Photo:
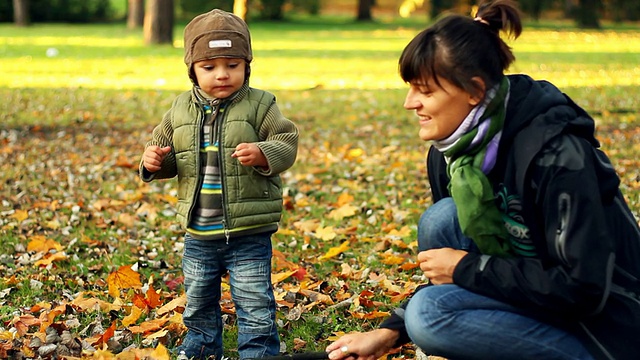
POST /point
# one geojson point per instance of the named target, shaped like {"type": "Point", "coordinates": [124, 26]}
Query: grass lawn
{"type": "Point", "coordinates": [80, 101]}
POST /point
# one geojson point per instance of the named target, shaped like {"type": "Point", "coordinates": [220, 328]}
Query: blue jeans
{"type": "Point", "coordinates": [248, 261]}
{"type": "Point", "coordinates": [455, 323]}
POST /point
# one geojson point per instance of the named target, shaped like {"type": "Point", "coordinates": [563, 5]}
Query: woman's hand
{"type": "Point", "coordinates": [438, 264]}
{"type": "Point", "coordinates": [363, 346]}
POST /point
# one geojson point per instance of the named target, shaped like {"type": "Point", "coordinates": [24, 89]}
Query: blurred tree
{"type": "Point", "coordinates": [272, 9]}
{"type": "Point", "coordinates": [587, 14]}
{"type": "Point", "coordinates": [240, 8]}
{"type": "Point", "coordinates": [438, 6]}
{"type": "Point", "coordinates": [158, 22]}
{"type": "Point", "coordinates": [135, 13]}
{"type": "Point", "coordinates": [21, 12]}
{"type": "Point", "coordinates": [364, 10]}
{"type": "Point", "coordinates": [534, 8]}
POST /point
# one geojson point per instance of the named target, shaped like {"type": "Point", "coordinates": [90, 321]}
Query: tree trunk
{"type": "Point", "coordinates": [135, 14]}
{"type": "Point", "coordinates": [240, 8]}
{"type": "Point", "coordinates": [21, 12]}
{"type": "Point", "coordinates": [158, 22]}
{"type": "Point", "coordinates": [587, 16]}
{"type": "Point", "coordinates": [364, 10]}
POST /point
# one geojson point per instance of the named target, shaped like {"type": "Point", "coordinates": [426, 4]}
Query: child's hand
{"type": "Point", "coordinates": [153, 156]}
{"type": "Point", "coordinates": [249, 154]}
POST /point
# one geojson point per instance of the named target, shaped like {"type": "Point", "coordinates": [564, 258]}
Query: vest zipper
{"type": "Point", "coordinates": [198, 169]}
{"type": "Point", "coordinates": [221, 161]}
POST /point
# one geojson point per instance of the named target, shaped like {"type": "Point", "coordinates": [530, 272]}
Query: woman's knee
{"type": "Point", "coordinates": [437, 224]}
{"type": "Point", "coordinates": [422, 319]}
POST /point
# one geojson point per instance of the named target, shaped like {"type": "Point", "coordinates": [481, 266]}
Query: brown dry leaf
{"type": "Point", "coordinates": [315, 296]}
{"type": "Point", "coordinates": [22, 323]}
{"type": "Point", "coordinates": [370, 315]}
{"type": "Point", "coordinates": [172, 305]}
{"type": "Point", "coordinates": [149, 326]}
{"type": "Point", "coordinates": [127, 220]}
{"type": "Point", "coordinates": [123, 161]}
{"type": "Point", "coordinates": [157, 335]}
{"type": "Point", "coordinates": [148, 210]}
{"type": "Point", "coordinates": [299, 344]}
{"type": "Point", "coordinates": [123, 278]}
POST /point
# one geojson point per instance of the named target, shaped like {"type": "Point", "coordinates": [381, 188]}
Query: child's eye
{"type": "Point", "coordinates": [208, 67]}
{"type": "Point", "coordinates": [233, 65]}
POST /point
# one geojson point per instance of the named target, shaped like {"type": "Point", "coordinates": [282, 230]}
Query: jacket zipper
{"type": "Point", "coordinates": [564, 211]}
{"type": "Point", "coordinates": [221, 161]}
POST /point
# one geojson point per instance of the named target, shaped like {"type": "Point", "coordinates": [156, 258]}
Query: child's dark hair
{"type": "Point", "coordinates": [458, 48]}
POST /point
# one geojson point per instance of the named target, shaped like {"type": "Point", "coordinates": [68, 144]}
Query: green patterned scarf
{"type": "Point", "coordinates": [471, 157]}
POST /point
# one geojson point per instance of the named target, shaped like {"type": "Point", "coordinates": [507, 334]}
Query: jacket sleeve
{"type": "Point", "coordinates": [437, 173]}
{"type": "Point", "coordinates": [567, 223]}
{"type": "Point", "coordinates": [162, 136]}
{"type": "Point", "coordinates": [279, 142]}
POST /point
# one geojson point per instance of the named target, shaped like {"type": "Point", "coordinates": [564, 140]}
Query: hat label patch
{"type": "Point", "coordinates": [215, 44]}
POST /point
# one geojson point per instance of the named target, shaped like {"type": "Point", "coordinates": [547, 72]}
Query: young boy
{"type": "Point", "coordinates": [227, 143]}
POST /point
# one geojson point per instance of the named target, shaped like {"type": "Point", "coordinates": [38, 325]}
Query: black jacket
{"type": "Point", "coordinates": [579, 264]}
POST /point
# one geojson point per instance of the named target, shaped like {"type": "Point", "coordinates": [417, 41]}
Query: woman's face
{"type": "Point", "coordinates": [440, 109]}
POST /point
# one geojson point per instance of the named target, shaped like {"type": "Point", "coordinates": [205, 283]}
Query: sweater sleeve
{"type": "Point", "coordinates": [162, 136]}
{"type": "Point", "coordinates": [279, 142]}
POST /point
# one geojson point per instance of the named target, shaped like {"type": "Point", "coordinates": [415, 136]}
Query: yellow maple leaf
{"type": "Point", "coordinates": [133, 316]}
{"type": "Point", "coordinates": [391, 259]}
{"type": "Point", "coordinates": [160, 353]}
{"type": "Point", "coordinates": [20, 215]}
{"type": "Point", "coordinates": [342, 212]}
{"type": "Point", "coordinates": [39, 243]}
{"type": "Point", "coordinates": [51, 258]}
{"type": "Point", "coordinates": [403, 232]}
{"type": "Point", "coordinates": [335, 251]}
{"type": "Point", "coordinates": [307, 225]}
{"type": "Point", "coordinates": [123, 278]}
{"type": "Point", "coordinates": [344, 198]}
{"type": "Point", "coordinates": [325, 233]}
{"type": "Point", "coordinates": [276, 278]}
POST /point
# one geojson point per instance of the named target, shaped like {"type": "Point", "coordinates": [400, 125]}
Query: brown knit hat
{"type": "Point", "coordinates": [216, 34]}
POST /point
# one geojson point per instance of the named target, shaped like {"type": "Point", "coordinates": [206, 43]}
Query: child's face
{"type": "Point", "coordinates": [220, 77]}
{"type": "Point", "coordinates": [440, 109]}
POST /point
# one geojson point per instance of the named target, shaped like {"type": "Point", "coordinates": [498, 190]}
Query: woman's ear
{"type": "Point", "coordinates": [478, 95]}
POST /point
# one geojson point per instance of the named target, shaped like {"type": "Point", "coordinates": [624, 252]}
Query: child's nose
{"type": "Point", "coordinates": [222, 74]}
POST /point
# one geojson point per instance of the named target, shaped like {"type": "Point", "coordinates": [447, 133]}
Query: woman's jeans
{"type": "Point", "coordinates": [455, 323]}
{"type": "Point", "coordinates": [248, 261]}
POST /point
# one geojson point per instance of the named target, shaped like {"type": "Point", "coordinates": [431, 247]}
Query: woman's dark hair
{"type": "Point", "coordinates": [458, 48]}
